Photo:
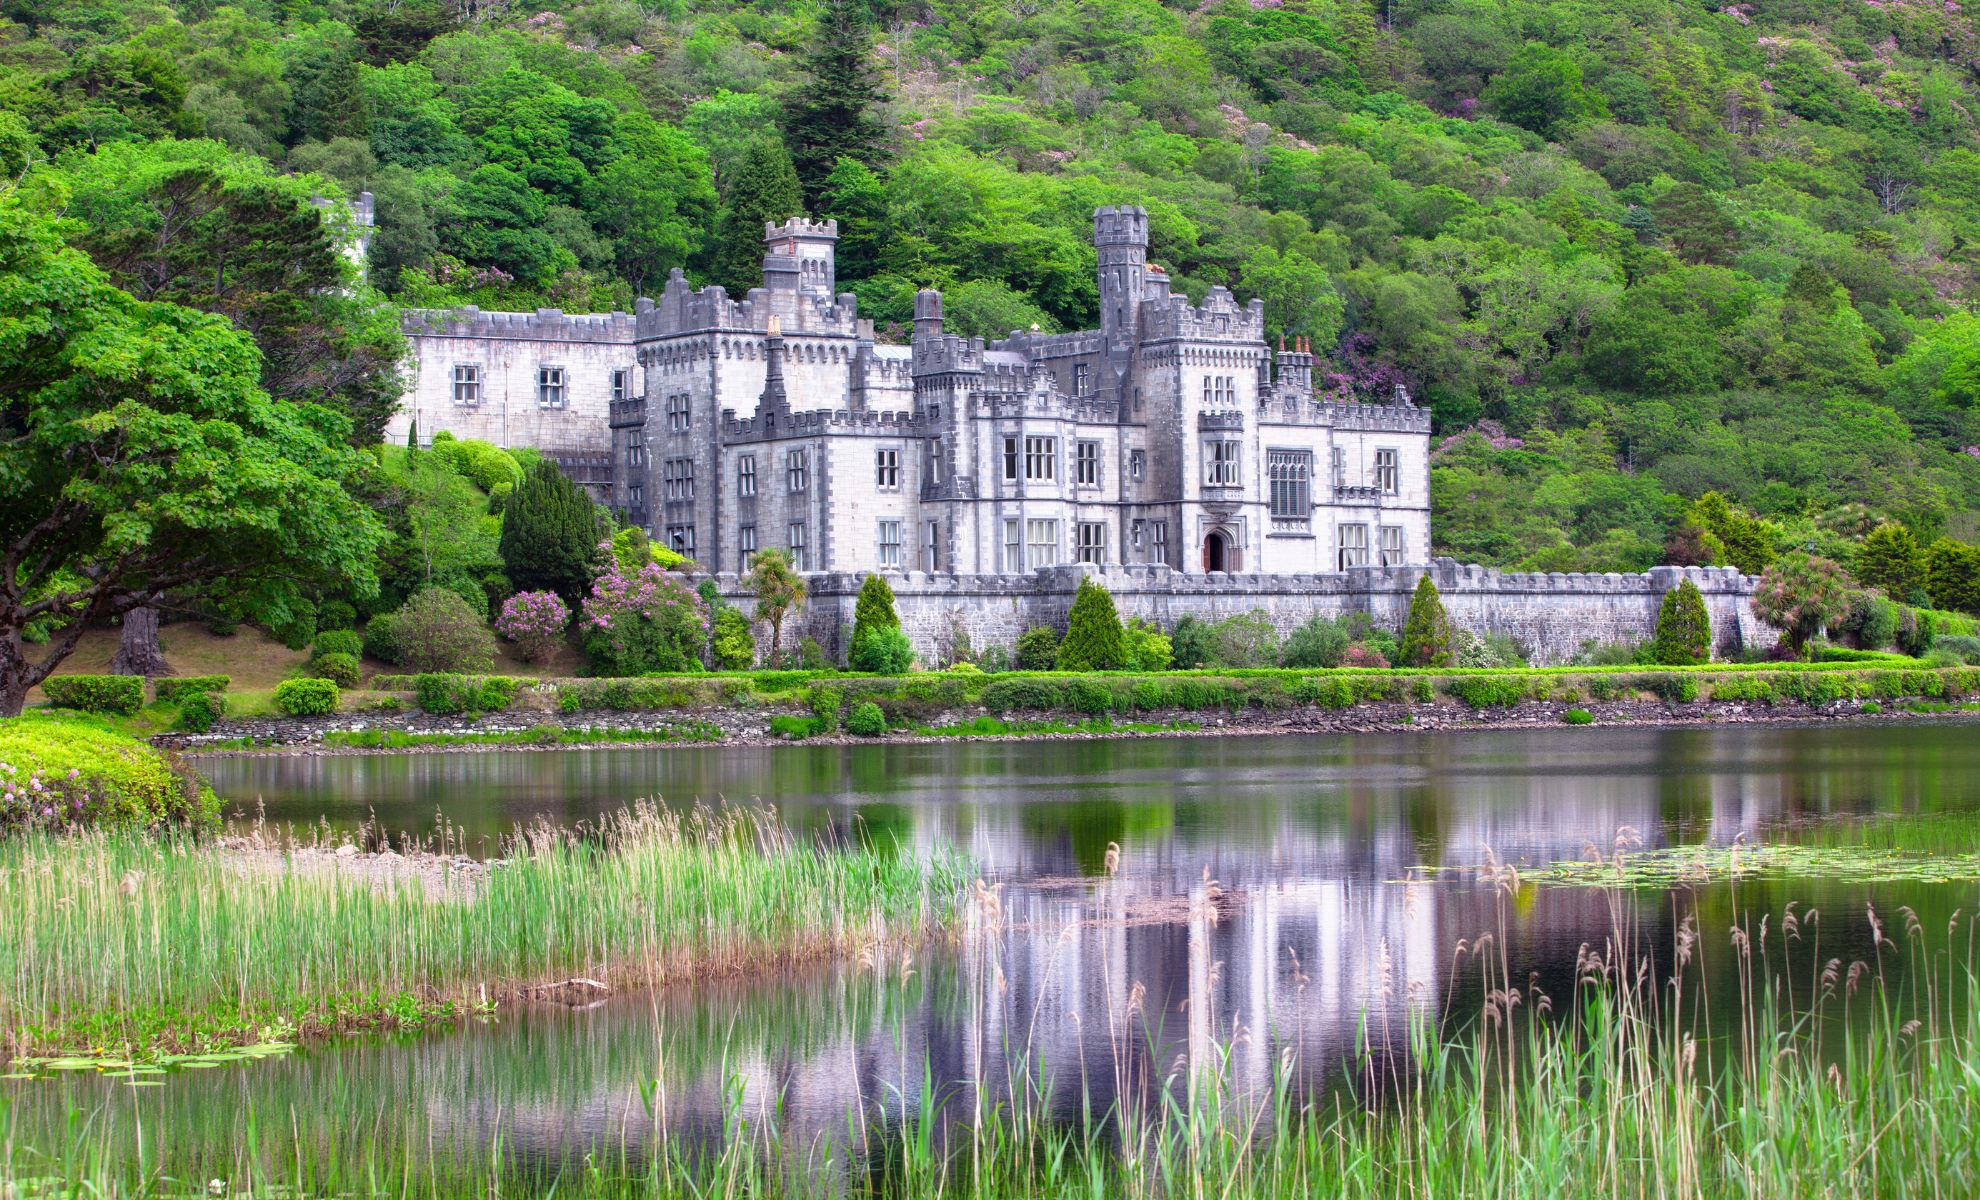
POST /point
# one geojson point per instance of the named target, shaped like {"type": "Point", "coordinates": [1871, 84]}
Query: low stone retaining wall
{"type": "Point", "coordinates": [1550, 615]}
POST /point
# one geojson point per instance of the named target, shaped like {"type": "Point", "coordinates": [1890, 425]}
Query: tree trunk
{"type": "Point", "coordinates": [776, 643]}
{"type": "Point", "coordinates": [138, 651]}
{"type": "Point", "coordinates": [13, 675]}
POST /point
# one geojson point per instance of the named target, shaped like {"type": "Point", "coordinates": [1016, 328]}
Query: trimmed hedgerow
{"type": "Point", "coordinates": [445, 694]}
{"type": "Point", "coordinates": [306, 697]}
{"type": "Point", "coordinates": [64, 772]}
{"type": "Point", "coordinates": [117, 695]}
{"type": "Point", "coordinates": [170, 688]}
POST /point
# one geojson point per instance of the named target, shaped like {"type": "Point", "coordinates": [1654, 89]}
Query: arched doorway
{"type": "Point", "coordinates": [1217, 552]}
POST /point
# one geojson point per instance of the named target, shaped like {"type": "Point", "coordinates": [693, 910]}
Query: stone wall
{"type": "Point", "coordinates": [1550, 615]}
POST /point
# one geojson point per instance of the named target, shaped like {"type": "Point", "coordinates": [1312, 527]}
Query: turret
{"type": "Point", "coordinates": [927, 314]}
{"type": "Point", "coordinates": [1296, 366]}
{"type": "Point", "coordinates": [775, 404]}
{"type": "Point", "coordinates": [1120, 237]}
{"type": "Point", "coordinates": [800, 255]}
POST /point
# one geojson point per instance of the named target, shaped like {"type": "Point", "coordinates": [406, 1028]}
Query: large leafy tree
{"type": "Point", "coordinates": [196, 224]}
{"type": "Point", "coordinates": [833, 113]}
{"type": "Point", "coordinates": [140, 457]}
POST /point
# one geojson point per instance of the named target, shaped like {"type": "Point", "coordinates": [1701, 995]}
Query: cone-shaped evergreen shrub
{"type": "Point", "coordinates": [1093, 632]}
{"type": "Point", "coordinates": [875, 609]}
{"type": "Point", "coordinates": [1428, 639]}
{"type": "Point", "coordinates": [1684, 631]}
{"type": "Point", "coordinates": [550, 534]}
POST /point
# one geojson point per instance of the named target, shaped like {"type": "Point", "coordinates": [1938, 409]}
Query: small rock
{"type": "Point", "coordinates": [346, 850]}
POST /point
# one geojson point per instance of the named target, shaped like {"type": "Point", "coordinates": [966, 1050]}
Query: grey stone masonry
{"type": "Point", "coordinates": [1549, 615]}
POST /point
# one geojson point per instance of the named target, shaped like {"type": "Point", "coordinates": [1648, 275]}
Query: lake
{"type": "Point", "coordinates": [1247, 896]}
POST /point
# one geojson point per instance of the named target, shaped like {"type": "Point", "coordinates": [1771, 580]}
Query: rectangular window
{"type": "Point", "coordinates": [931, 548]}
{"type": "Point", "coordinates": [887, 469]}
{"type": "Point", "coordinates": [550, 392]}
{"type": "Point", "coordinates": [1041, 459]}
{"type": "Point", "coordinates": [1041, 543]}
{"type": "Point", "coordinates": [621, 384]}
{"type": "Point", "coordinates": [745, 546]}
{"type": "Point", "coordinates": [1388, 475]}
{"type": "Point", "coordinates": [635, 447]}
{"type": "Point", "coordinates": [1082, 379]}
{"type": "Point", "coordinates": [467, 384]}
{"type": "Point", "coordinates": [1010, 460]}
{"type": "Point", "coordinates": [746, 475]}
{"type": "Point", "coordinates": [796, 542]}
{"type": "Point", "coordinates": [1013, 546]}
{"type": "Point", "coordinates": [890, 543]}
{"type": "Point", "coordinates": [1086, 464]}
{"type": "Point", "coordinates": [1392, 545]}
{"type": "Point", "coordinates": [1137, 464]}
{"type": "Point", "coordinates": [635, 496]}
{"type": "Point", "coordinates": [679, 476]}
{"type": "Point", "coordinates": [1220, 464]}
{"type": "Point", "coordinates": [1158, 541]}
{"type": "Point", "coordinates": [932, 461]}
{"type": "Point", "coordinates": [1291, 475]}
{"type": "Point", "coordinates": [677, 413]}
{"type": "Point", "coordinates": [1354, 546]}
{"type": "Point", "coordinates": [1092, 541]}
{"type": "Point", "coordinates": [797, 470]}
{"type": "Point", "coordinates": [680, 539]}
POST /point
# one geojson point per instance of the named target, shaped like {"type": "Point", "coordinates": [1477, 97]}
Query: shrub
{"type": "Point", "coordinates": [446, 694]}
{"type": "Point", "coordinates": [121, 695]}
{"type": "Point", "coordinates": [534, 621]}
{"type": "Point", "coordinates": [874, 610]}
{"type": "Point", "coordinates": [1089, 696]}
{"type": "Point", "coordinates": [1428, 639]}
{"type": "Point", "coordinates": [825, 705]}
{"type": "Point", "coordinates": [1578, 716]}
{"type": "Point", "coordinates": [866, 720]}
{"type": "Point", "coordinates": [1191, 644]}
{"type": "Point", "coordinates": [1891, 560]}
{"type": "Point", "coordinates": [1326, 691]}
{"type": "Point", "coordinates": [336, 614]}
{"type": "Point", "coordinates": [1684, 630]}
{"type": "Point", "coordinates": [732, 646]}
{"type": "Point", "coordinates": [199, 710]}
{"type": "Point", "coordinates": [381, 638]}
{"type": "Point", "coordinates": [1363, 655]}
{"type": "Point", "coordinates": [306, 697]}
{"type": "Point", "coordinates": [1006, 695]}
{"type": "Point", "coordinates": [171, 688]}
{"type": "Point", "coordinates": [812, 656]}
{"type": "Point", "coordinates": [336, 641]}
{"type": "Point", "coordinates": [1481, 691]}
{"type": "Point", "coordinates": [1872, 708]}
{"type": "Point", "coordinates": [643, 621]}
{"type": "Point", "coordinates": [795, 728]}
{"type": "Point", "coordinates": [61, 772]}
{"type": "Point", "coordinates": [1247, 640]}
{"type": "Point", "coordinates": [1490, 650]}
{"type": "Point", "coordinates": [550, 533]}
{"type": "Point", "coordinates": [883, 651]}
{"type": "Point", "coordinates": [437, 631]}
{"type": "Point", "coordinates": [1671, 689]}
{"type": "Point", "coordinates": [1320, 642]}
{"type": "Point", "coordinates": [1145, 647]}
{"type": "Point", "coordinates": [339, 668]}
{"type": "Point", "coordinates": [1610, 654]}
{"type": "Point", "coordinates": [1037, 649]}
{"type": "Point", "coordinates": [1093, 632]}
{"type": "Point", "coordinates": [1869, 621]}
{"type": "Point", "coordinates": [1963, 648]}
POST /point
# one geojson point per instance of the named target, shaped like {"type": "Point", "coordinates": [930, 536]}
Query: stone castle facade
{"type": "Point", "coordinates": [1171, 435]}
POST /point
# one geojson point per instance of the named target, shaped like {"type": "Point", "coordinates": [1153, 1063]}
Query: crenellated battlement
{"type": "Point", "coordinates": [1219, 318]}
{"type": "Point", "coordinates": [800, 227]}
{"type": "Point", "coordinates": [811, 422]}
{"type": "Point", "coordinates": [543, 325]}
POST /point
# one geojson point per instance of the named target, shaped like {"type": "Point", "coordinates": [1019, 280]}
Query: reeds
{"type": "Point", "coordinates": [121, 941]}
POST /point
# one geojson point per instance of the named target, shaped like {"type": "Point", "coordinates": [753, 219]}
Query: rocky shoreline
{"type": "Point", "coordinates": [304, 736]}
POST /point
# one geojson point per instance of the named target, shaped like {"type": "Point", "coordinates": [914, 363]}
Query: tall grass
{"type": "Point", "coordinates": [123, 941]}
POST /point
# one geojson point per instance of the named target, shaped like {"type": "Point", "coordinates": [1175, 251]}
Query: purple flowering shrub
{"type": "Point", "coordinates": [534, 621]}
{"type": "Point", "coordinates": [643, 620]}
{"type": "Point", "coordinates": [63, 774]}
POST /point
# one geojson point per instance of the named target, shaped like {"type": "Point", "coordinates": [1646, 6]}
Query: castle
{"type": "Point", "coordinates": [1171, 434]}
{"type": "Point", "coordinates": [1171, 451]}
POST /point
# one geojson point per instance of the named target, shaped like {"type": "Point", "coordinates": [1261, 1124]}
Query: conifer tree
{"type": "Point", "coordinates": [831, 115]}
{"type": "Point", "coordinates": [550, 534]}
{"type": "Point", "coordinates": [875, 608]}
{"type": "Point", "coordinates": [1093, 632]}
{"type": "Point", "coordinates": [1428, 639]}
{"type": "Point", "coordinates": [1891, 559]}
{"type": "Point", "coordinates": [1684, 630]}
{"type": "Point", "coordinates": [765, 188]}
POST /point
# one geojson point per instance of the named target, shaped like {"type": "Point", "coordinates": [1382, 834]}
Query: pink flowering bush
{"type": "Point", "coordinates": [59, 773]}
{"type": "Point", "coordinates": [642, 620]}
{"type": "Point", "coordinates": [1363, 655]}
{"type": "Point", "coordinates": [534, 621]}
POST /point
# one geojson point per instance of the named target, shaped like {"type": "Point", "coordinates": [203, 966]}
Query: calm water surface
{"type": "Point", "coordinates": [1271, 895]}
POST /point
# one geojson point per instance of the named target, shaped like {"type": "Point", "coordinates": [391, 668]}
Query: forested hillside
{"type": "Point", "coordinates": [1633, 254]}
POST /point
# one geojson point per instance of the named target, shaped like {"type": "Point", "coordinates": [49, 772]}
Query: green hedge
{"type": "Point", "coordinates": [120, 695]}
{"type": "Point", "coordinates": [65, 772]}
{"type": "Point", "coordinates": [306, 697]}
{"type": "Point", "coordinates": [176, 688]}
{"type": "Point", "coordinates": [450, 694]}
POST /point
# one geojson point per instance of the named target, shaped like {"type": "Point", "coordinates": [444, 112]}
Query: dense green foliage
{"type": "Point", "coordinates": [1428, 639]}
{"type": "Point", "coordinates": [550, 534]}
{"type": "Point", "coordinates": [1037, 649]}
{"type": "Point", "coordinates": [778, 590]}
{"type": "Point", "coordinates": [1684, 630]}
{"type": "Point", "coordinates": [436, 630]}
{"type": "Point", "coordinates": [1093, 632]}
{"type": "Point", "coordinates": [62, 772]}
{"type": "Point", "coordinates": [173, 689]}
{"type": "Point", "coordinates": [118, 695]}
{"type": "Point", "coordinates": [866, 720]}
{"type": "Point", "coordinates": [877, 641]}
{"type": "Point", "coordinates": [306, 697]}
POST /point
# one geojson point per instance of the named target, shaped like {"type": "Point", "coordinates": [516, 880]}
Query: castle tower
{"type": "Point", "coordinates": [800, 255]}
{"type": "Point", "coordinates": [927, 314]}
{"type": "Point", "coordinates": [1296, 367]}
{"type": "Point", "coordinates": [1120, 235]}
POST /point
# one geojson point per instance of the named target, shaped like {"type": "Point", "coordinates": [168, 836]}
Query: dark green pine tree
{"type": "Point", "coordinates": [1428, 639]}
{"type": "Point", "coordinates": [1093, 632]}
{"type": "Point", "coordinates": [831, 116]}
{"type": "Point", "coordinates": [550, 534]}
{"type": "Point", "coordinates": [1684, 629]}
{"type": "Point", "coordinates": [765, 188]}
